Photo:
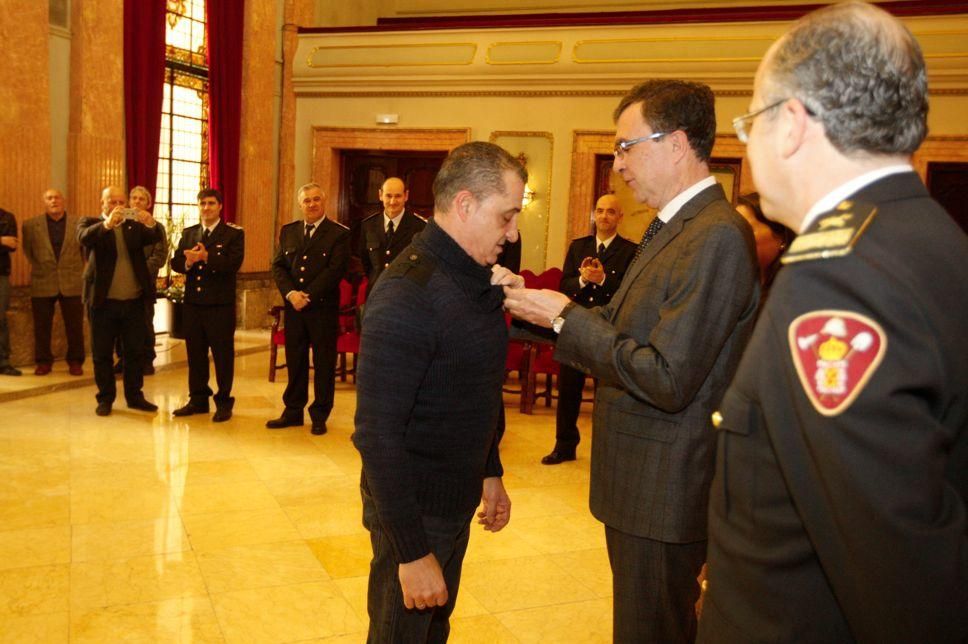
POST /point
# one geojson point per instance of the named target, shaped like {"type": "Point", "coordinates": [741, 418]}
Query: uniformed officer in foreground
{"type": "Point", "coordinates": [209, 254]}
{"type": "Point", "coordinates": [311, 261]}
{"type": "Point", "coordinates": [594, 268]}
{"type": "Point", "coordinates": [838, 508]}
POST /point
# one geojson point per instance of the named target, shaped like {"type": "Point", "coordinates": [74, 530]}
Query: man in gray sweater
{"type": "Point", "coordinates": [429, 396]}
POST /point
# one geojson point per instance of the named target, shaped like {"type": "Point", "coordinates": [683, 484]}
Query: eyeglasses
{"type": "Point", "coordinates": [621, 147]}
{"type": "Point", "coordinates": [740, 122]}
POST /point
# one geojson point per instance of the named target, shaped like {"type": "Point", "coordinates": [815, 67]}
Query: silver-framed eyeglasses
{"type": "Point", "coordinates": [621, 147]}
{"type": "Point", "coordinates": [740, 122]}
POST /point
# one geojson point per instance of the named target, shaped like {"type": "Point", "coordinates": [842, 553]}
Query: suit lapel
{"type": "Point", "coordinates": [663, 238]}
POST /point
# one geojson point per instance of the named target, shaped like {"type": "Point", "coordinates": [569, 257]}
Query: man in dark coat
{"type": "Point", "coordinates": [838, 510]}
{"type": "Point", "coordinates": [311, 261]}
{"type": "Point", "coordinates": [116, 284]}
{"type": "Point", "coordinates": [210, 255]}
{"type": "Point", "coordinates": [663, 350]}
{"type": "Point", "coordinates": [384, 234]}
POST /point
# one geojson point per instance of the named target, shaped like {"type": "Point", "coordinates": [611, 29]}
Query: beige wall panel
{"type": "Point", "coordinates": [24, 116]}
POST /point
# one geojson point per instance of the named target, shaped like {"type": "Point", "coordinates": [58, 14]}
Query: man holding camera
{"type": "Point", "coordinates": [116, 283]}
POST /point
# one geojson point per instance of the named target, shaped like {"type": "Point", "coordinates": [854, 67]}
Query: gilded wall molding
{"type": "Point", "coordinates": [497, 135]}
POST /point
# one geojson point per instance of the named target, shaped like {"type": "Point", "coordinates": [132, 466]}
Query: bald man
{"type": "Point", "coordinates": [117, 284]}
{"type": "Point", "coordinates": [593, 270]}
{"type": "Point", "coordinates": [384, 235]}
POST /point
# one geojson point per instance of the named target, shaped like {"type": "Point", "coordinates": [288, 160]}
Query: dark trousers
{"type": "Point", "coordinates": [210, 328]}
{"type": "Point", "coordinates": [390, 621]}
{"type": "Point", "coordinates": [315, 329]}
{"type": "Point", "coordinates": [149, 350]}
{"type": "Point", "coordinates": [571, 387]}
{"type": "Point", "coordinates": [112, 320]}
{"type": "Point", "coordinates": [72, 310]}
{"type": "Point", "coordinates": [654, 588]}
{"type": "Point", "coordinates": [4, 329]}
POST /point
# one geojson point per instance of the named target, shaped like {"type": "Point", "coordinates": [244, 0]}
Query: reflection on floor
{"type": "Point", "coordinates": [138, 527]}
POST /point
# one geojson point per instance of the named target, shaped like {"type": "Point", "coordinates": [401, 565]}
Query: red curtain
{"type": "Point", "coordinates": [144, 89]}
{"type": "Point", "coordinates": [224, 24]}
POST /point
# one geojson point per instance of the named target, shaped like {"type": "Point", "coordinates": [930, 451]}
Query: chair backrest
{"type": "Point", "coordinates": [345, 294]}
{"type": "Point", "coordinates": [530, 279]}
{"type": "Point", "coordinates": [550, 279]}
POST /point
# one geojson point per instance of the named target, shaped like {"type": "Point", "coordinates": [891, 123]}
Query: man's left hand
{"type": "Point", "coordinates": [501, 276]}
{"type": "Point", "coordinates": [144, 218]}
{"type": "Point", "coordinates": [536, 306]}
{"type": "Point", "coordinates": [497, 505]}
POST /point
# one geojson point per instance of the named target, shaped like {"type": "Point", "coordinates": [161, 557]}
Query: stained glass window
{"type": "Point", "coordinates": [183, 152]}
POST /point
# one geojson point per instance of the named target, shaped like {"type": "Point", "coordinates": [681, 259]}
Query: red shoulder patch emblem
{"type": "Point", "coordinates": [835, 354]}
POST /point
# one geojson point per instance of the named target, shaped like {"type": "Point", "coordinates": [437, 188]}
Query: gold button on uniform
{"type": "Point", "coordinates": [717, 419]}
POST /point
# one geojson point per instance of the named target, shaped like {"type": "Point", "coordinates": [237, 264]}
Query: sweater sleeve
{"type": "Point", "coordinates": [396, 349]}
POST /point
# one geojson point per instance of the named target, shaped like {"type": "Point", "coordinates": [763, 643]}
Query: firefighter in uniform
{"type": "Point", "coordinates": [594, 268]}
{"type": "Point", "coordinates": [209, 254]}
{"type": "Point", "coordinates": [384, 234]}
{"type": "Point", "coordinates": [311, 260]}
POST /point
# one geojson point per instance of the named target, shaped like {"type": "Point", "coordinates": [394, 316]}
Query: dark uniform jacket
{"type": "Point", "coordinates": [373, 251]}
{"type": "Point", "coordinates": [315, 268]}
{"type": "Point", "coordinates": [211, 282]}
{"type": "Point", "coordinates": [103, 255]}
{"type": "Point", "coordinates": [616, 259]}
{"type": "Point", "coordinates": [838, 509]}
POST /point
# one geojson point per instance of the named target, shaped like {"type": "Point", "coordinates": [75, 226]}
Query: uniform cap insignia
{"type": "Point", "coordinates": [835, 354]}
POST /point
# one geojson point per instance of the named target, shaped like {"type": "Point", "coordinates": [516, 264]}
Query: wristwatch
{"type": "Point", "coordinates": [558, 322]}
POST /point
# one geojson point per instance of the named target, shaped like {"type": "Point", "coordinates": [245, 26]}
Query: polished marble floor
{"type": "Point", "coordinates": [142, 528]}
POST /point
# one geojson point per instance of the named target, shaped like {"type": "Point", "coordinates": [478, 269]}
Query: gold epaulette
{"type": "Point", "coordinates": [233, 225]}
{"type": "Point", "coordinates": [832, 234]}
{"type": "Point", "coordinates": [340, 224]}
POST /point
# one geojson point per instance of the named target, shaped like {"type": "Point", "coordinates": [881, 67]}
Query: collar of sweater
{"type": "Point", "coordinates": [471, 277]}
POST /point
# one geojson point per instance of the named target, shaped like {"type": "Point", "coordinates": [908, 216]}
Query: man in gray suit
{"type": "Point", "coordinates": [664, 350]}
{"type": "Point", "coordinates": [55, 277]}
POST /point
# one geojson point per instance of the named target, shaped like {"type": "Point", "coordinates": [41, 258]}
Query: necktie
{"type": "Point", "coordinates": [389, 234]}
{"type": "Point", "coordinates": [650, 232]}
{"type": "Point", "coordinates": [309, 233]}
{"type": "Point", "coordinates": [205, 235]}
{"type": "Point", "coordinates": [601, 250]}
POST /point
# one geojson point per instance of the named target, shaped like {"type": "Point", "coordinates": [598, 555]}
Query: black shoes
{"type": "Point", "coordinates": [142, 405]}
{"type": "Point", "coordinates": [284, 421]}
{"type": "Point", "coordinates": [103, 409]}
{"type": "Point", "coordinates": [221, 415]}
{"type": "Point", "coordinates": [319, 428]}
{"type": "Point", "coordinates": [10, 371]}
{"type": "Point", "coordinates": [556, 457]}
{"type": "Point", "coordinates": [190, 409]}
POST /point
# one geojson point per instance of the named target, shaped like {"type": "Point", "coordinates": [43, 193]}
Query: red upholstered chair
{"type": "Point", "coordinates": [277, 338]}
{"type": "Point", "coordinates": [348, 340]}
{"type": "Point", "coordinates": [543, 363]}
